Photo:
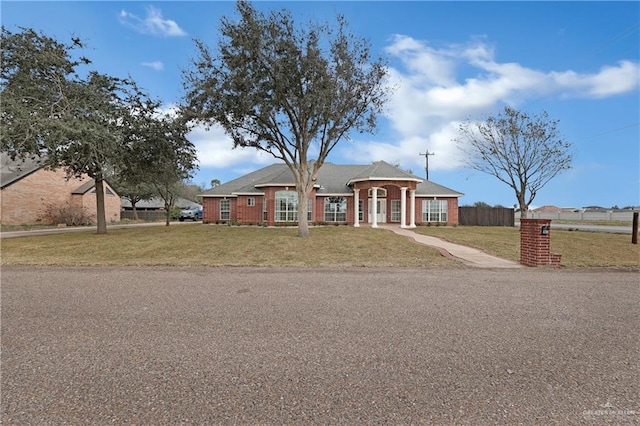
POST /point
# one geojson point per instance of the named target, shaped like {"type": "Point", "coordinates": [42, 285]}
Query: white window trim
{"type": "Point", "coordinates": [227, 210]}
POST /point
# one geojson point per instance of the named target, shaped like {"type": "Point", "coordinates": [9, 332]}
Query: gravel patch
{"type": "Point", "coordinates": [286, 346]}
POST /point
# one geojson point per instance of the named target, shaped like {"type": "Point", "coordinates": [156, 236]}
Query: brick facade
{"type": "Point", "coordinates": [25, 200]}
{"type": "Point", "coordinates": [244, 213]}
{"type": "Point", "coordinates": [535, 243]}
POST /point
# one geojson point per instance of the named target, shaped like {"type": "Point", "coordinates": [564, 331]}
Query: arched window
{"type": "Point", "coordinates": [382, 193]}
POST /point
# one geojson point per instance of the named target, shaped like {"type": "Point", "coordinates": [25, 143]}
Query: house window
{"type": "Point", "coordinates": [335, 209]}
{"type": "Point", "coordinates": [286, 206]}
{"type": "Point", "coordinates": [434, 210]}
{"type": "Point", "coordinates": [225, 210]}
{"type": "Point", "coordinates": [309, 209]}
{"type": "Point", "coordinates": [361, 210]}
{"type": "Point", "coordinates": [264, 209]}
{"type": "Point", "coordinates": [251, 202]}
{"type": "Point", "coordinates": [382, 193]}
{"type": "Point", "coordinates": [395, 211]}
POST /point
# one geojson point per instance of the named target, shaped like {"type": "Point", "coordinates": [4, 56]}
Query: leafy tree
{"type": "Point", "coordinates": [521, 150]}
{"type": "Point", "coordinates": [134, 192]}
{"type": "Point", "coordinates": [165, 157]}
{"type": "Point", "coordinates": [48, 110]}
{"type": "Point", "coordinates": [293, 93]}
{"type": "Point", "coordinates": [191, 191]}
{"type": "Point", "coordinates": [159, 158]}
{"type": "Point", "coordinates": [215, 182]}
{"type": "Point", "coordinates": [481, 204]}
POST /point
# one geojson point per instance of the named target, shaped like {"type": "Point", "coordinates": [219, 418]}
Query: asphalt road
{"type": "Point", "coordinates": [162, 346]}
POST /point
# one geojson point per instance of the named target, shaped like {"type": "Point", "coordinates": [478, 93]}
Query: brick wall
{"type": "Point", "coordinates": [25, 201]}
{"type": "Point", "coordinates": [452, 209]}
{"type": "Point", "coordinates": [112, 204]}
{"type": "Point", "coordinates": [246, 213]}
{"type": "Point", "coordinates": [535, 246]}
{"type": "Point", "coordinates": [241, 211]}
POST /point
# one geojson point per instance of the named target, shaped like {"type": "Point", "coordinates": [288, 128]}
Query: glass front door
{"type": "Point", "coordinates": [382, 210]}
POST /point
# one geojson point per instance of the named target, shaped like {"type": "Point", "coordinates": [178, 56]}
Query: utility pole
{"type": "Point", "coordinates": [426, 158]}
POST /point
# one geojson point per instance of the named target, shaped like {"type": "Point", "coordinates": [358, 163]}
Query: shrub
{"type": "Point", "coordinates": [70, 215]}
{"type": "Point", "coordinates": [175, 212]}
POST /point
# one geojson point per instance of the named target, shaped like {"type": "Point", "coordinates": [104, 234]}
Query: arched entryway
{"type": "Point", "coordinates": [381, 208]}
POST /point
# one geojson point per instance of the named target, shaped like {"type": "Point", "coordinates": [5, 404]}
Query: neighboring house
{"type": "Point", "coordinates": [152, 209]}
{"type": "Point", "coordinates": [345, 194]}
{"type": "Point", "coordinates": [27, 189]}
{"type": "Point", "coordinates": [156, 203]}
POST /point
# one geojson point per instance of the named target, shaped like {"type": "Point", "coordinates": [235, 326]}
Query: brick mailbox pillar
{"type": "Point", "coordinates": [535, 243]}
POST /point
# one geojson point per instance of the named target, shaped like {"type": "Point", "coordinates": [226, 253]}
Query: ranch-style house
{"type": "Point", "coordinates": [343, 194]}
{"type": "Point", "coordinates": [28, 190]}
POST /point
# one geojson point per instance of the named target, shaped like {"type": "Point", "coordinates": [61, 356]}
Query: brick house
{"type": "Point", "coordinates": [345, 194]}
{"type": "Point", "coordinates": [27, 189]}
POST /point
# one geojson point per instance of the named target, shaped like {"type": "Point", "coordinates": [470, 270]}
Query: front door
{"type": "Point", "coordinates": [382, 210]}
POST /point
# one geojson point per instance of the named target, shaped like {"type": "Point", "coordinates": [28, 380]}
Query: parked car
{"type": "Point", "coordinates": [193, 213]}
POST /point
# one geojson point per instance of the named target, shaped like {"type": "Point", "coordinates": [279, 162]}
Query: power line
{"type": "Point", "coordinates": [612, 131]}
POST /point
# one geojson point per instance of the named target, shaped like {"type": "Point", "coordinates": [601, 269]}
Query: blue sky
{"type": "Point", "coordinates": [451, 61]}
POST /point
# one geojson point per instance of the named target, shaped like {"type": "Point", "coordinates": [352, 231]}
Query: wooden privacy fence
{"type": "Point", "coordinates": [146, 215]}
{"type": "Point", "coordinates": [486, 216]}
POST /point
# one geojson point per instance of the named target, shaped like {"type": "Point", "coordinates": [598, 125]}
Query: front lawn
{"type": "Point", "coordinates": [220, 245]}
{"type": "Point", "coordinates": [578, 248]}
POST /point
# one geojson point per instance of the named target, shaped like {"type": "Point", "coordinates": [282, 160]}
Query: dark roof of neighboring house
{"type": "Point", "coordinates": [85, 187]}
{"type": "Point", "coordinates": [158, 203]}
{"type": "Point", "coordinates": [333, 179]}
{"type": "Point", "coordinates": [14, 170]}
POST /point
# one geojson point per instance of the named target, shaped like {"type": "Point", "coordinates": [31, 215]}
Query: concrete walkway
{"type": "Point", "coordinates": [468, 255]}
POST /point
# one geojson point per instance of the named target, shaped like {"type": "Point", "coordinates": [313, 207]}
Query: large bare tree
{"type": "Point", "coordinates": [524, 151]}
{"type": "Point", "coordinates": [292, 92]}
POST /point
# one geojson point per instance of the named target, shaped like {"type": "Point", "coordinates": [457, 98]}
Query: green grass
{"type": "Point", "coordinates": [218, 245]}
{"type": "Point", "coordinates": [578, 249]}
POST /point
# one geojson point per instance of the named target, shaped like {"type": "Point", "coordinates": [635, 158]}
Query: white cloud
{"type": "Point", "coordinates": [430, 102]}
{"type": "Point", "coordinates": [610, 81]}
{"type": "Point", "coordinates": [431, 99]}
{"type": "Point", "coordinates": [215, 149]}
{"type": "Point", "coordinates": [156, 65]}
{"type": "Point", "coordinates": [153, 24]}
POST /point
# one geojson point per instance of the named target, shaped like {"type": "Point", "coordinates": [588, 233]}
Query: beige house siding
{"type": "Point", "coordinates": [25, 201]}
{"type": "Point", "coordinates": [112, 204]}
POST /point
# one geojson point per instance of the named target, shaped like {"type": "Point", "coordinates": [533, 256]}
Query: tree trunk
{"type": "Point", "coordinates": [303, 209]}
{"type": "Point", "coordinates": [135, 211]}
{"type": "Point", "coordinates": [100, 214]}
{"type": "Point", "coordinates": [167, 209]}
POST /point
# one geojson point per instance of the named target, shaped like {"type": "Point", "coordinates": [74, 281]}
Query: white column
{"type": "Point", "coordinates": [356, 209]}
{"type": "Point", "coordinates": [374, 207]}
{"type": "Point", "coordinates": [403, 207]}
{"type": "Point", "coordinates": [412, 193]}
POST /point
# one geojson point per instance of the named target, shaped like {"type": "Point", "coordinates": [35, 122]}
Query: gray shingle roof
{"type": "Point", "coordinates": [332, 179]}
{"type": "Point", "coordinates": [158, 203]}
{"type": "Point", "coordinates": [381, 170]}
{"type": "Point", "coordinates": [428, 188]}
{"type": "Point", "coordinates": [14, 170]}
